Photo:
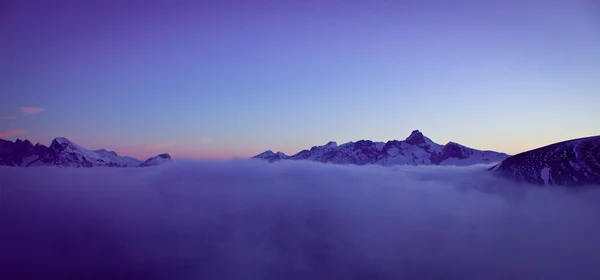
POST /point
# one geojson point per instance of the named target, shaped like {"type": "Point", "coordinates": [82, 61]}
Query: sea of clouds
{"type": "Point", "coordinates": [248, 219]}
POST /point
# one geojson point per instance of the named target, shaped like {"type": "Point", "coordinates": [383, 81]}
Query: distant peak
{"type": "Point", "coordinates": [62, 140]}
{"type": "Point", "coordinates": [267, 153]}
{"type": "Point", "coordinates": [105, 151]}
{"type": "Point", "coordinates": [165, 156]}
{"type": "Point", "coordinates": [415, 133]}
{"type": "Point", "coordinates": [330, 144]}
{"type": "Point", "coordinates": [157, 160]}
{"type": "Point", "coordinates": [415, 138]}
{"type": "Point", "coordinates": [61, 143]}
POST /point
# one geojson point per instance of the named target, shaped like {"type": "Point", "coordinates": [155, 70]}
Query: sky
{"type": "Point", "coordinates": [222, 79]}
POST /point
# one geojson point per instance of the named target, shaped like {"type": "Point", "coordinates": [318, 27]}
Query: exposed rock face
{"type": "Point", "coordinates": [416, 149]}
{"type": "Point", "coordinates": [569, 163]}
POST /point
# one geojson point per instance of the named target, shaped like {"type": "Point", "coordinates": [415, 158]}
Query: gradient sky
{"type": "Point", "coordinates": [219, 79]}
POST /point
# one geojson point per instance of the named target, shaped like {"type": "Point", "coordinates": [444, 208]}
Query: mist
{"type": "Point", "coordinates": [248, 219]}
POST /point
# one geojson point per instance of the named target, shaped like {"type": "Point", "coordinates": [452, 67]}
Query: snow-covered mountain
{"type": "Point", "coordinates": [416, 149]}
{"type": "Point", "coordinates": [157, 160]}
{"type": "Point", "coordinates": [568, 163]}
{"type": "Point", "coordinates": [271, 157]}
{"type": "Point", "coordinates": [63, 152]}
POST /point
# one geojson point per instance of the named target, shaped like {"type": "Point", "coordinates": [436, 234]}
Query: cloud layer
{"type": "Point", "coordinates": [205, 140]}
{"type": "Point", "coordinates": [12, 132]}
{"type": "Point", "coordinates": [291, 220]}
{"type": "Point", "coordinates": [162, 145]}
{"type": "Point", "coordinates": [31, 110]}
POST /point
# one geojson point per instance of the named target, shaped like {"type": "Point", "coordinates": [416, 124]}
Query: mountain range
{"type": "Point", "coordinates": [569, 163]}
{"type": "Point", "coordinates": [416, 149]}
{"type": "Point", "coordinates": [63, 152]}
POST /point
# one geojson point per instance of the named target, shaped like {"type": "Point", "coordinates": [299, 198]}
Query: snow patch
{"type": "Point", "coordinates": [545, 174]}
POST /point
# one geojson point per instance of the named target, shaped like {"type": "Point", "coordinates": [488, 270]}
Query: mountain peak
{"type": "Point", "coordinates": [453, 144]}
{"type": "Point", "coordinates": [61, 143]}
{"type": "Point", "coordinates": [24, 143]}
{"type": "Point", "coordinates": [415, 138]}
{"type": "Point", "coordinates": [265, 154]}
{"type": "Point", "coordinates": [62, 140]}
{"type": "Point", "coordinates": [157, 160]}
{"type": "Point", "coordinates": [165, 156]}
{"type": "Point", "coordinates": [271, 156]}
{"type": "Point", "coordinates": [331, 144]}
{"type": "Point", "coordinates": [105, 151]}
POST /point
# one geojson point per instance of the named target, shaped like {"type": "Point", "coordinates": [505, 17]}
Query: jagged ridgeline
{"type": "Point", "coordinates": [416, 149]}
{"type": "Point", "coordinates": [63, 152]}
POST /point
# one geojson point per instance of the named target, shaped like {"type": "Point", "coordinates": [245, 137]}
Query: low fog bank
{"type": "Point", "coordinates": [291, 220]}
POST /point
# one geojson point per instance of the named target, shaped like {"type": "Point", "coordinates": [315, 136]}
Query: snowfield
{"type": "Point", "coordinates": [251, 219]}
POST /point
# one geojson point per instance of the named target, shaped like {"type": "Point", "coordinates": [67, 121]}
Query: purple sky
{"type": "Point", "coordinates": [221, 79]}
